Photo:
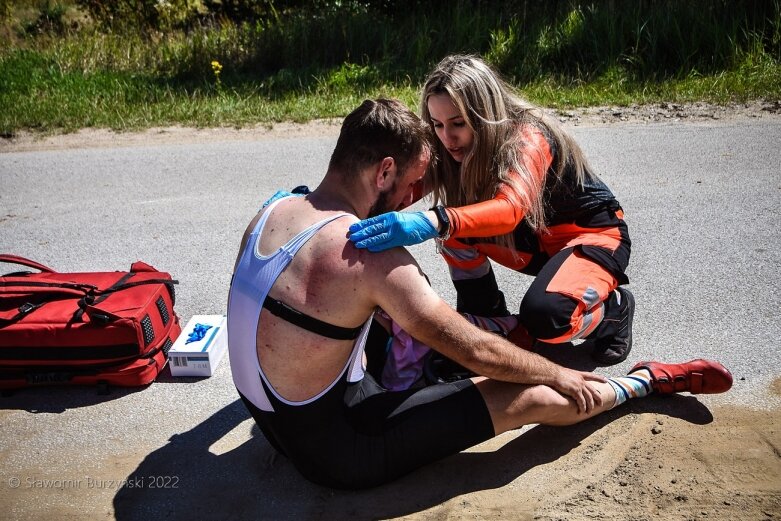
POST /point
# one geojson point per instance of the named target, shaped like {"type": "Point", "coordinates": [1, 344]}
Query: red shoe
{"type": "Point", "coordinates": [697, 377]}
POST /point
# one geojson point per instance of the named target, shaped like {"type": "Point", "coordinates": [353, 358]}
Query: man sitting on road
{"type": "Point", "coordinates": [300, 310]}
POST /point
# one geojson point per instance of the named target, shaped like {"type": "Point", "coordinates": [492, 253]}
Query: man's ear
{"type": "Point", "coordinates": [385, 173]}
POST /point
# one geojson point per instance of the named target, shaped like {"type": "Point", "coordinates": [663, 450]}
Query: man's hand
{"type": "Point", "coordinates": [392, 229]}
{"type": "Point", "coordinates": [577, 385]}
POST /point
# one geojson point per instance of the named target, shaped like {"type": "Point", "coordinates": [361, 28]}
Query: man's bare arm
{"type": "Point", "coordinates": [400, 289]}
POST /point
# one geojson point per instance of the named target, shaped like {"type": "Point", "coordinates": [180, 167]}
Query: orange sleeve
{"type": "Point", "coordinates": [496, 216]}
{"type": "Point", "coordinates": [503, 213]}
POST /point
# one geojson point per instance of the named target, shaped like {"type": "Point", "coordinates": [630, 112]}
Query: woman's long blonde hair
{"type": "Point", "coordinates": [495, 113]}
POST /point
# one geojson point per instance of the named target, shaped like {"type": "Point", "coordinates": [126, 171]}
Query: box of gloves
{"type": "Point", "coordinates": [200, 346]}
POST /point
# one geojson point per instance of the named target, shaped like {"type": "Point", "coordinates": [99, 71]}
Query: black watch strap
{"type": "Point", "coordinates": [444, 220]}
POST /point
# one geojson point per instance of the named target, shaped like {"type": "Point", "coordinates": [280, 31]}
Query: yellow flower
{"type": "Point", "coordinates": [217, 69]}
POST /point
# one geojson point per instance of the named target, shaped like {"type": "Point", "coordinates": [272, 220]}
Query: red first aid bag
{"type": "Point", "coordinates": [104, 328]}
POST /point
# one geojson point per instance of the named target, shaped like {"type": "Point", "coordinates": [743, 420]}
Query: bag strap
{"type": "Point", "coordinates": [88, 303]}
{"type": "Point", "coordinates": [22, 311]}
{"type": "Point", "coordinates": [41, 293]}
{"type": "Point", "coordinates": [48, 287]}
{"type": "Point", "coordinates": [15, 259]}
{"type": "Point", "coordinates": [28, 307]}
{"type": "Point", "coordinates": [47, 291]}
{"type": "Point", "coordinates": [127, 285]}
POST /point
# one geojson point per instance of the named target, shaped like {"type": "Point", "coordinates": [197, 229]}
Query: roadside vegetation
{"type": "Point", "coordinates": [129, 64]}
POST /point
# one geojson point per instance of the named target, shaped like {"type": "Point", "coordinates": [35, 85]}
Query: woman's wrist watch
{"type": "Point", "coordinates": [444, 222]}
{"type": "Point", "coordinates": [444, 226]}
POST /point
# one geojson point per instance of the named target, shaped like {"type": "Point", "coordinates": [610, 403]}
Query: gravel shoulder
{"type": "Point", "coordinates": [591, 116]}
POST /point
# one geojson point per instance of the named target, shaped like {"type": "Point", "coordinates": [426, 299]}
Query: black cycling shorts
{"type": "Point", "coordinates": [360, 435]}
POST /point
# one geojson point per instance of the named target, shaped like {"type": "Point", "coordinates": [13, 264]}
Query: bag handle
{"type": "Point", "coordinates": [15, 259]}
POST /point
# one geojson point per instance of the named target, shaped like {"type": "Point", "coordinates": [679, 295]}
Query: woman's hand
{"type": "Point", "coordinates": [392, 229]}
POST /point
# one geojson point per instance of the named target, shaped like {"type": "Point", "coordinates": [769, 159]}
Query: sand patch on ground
{"type": "Point", "coordinates": [666, 468]}
{"type": "Point", "coordinates": [663, 459]}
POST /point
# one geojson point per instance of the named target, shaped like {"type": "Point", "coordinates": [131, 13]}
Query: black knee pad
{"type": "Point", "coordinates": [546, 315]}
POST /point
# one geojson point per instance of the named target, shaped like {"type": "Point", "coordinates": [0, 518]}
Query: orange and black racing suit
{"type": "Point", "coordinates": [577, 262]}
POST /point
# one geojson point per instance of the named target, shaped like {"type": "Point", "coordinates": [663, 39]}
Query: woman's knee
{"type": "Point", "coordinates": [548, 315]}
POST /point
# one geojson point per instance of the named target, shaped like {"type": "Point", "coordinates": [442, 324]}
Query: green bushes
{"type": "Point", "coordinates": [274, 53]}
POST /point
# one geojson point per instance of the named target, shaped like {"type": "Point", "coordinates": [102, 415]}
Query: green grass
{"type": "Point", "coordinates": [37, 93]}
{"type": "Point", "coordinates": [301, 65]}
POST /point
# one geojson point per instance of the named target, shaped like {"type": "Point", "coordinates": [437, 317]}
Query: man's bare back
{"type": "Point", "coordinates": [314, 283]}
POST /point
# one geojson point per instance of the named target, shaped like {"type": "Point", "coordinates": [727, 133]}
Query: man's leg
{"type": "Point", "coordinates": [513, 405]}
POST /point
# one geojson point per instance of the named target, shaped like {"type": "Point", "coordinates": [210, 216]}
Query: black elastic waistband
{"type": "Point", "coordinates": [314, 325]}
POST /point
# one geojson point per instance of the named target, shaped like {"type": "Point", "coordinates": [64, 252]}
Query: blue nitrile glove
{"type": "Point", "coordinates": [392, 229]}
{"type": "Point", "coordinates": [299, 190]}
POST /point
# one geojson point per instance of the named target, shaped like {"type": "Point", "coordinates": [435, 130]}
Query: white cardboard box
{"type": "Point", "coordinates": [202, 354]}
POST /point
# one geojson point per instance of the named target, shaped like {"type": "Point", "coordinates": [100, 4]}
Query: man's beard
{"type": "Point", "coordinates": [380, 206]}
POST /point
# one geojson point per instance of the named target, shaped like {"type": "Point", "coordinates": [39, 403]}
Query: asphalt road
{"type": "Point", "coordinates": [702, 200]}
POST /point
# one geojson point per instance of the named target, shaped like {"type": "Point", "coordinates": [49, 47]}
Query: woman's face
{"type": "Point", "coordinates": [450, 127]}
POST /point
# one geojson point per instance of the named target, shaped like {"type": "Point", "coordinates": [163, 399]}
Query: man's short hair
{"type": "Point", "coordinates": [378, 129]}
